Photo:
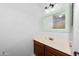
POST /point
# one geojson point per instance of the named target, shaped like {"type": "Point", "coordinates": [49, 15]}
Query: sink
{"type": "Point", "coordinates": [50, 38]}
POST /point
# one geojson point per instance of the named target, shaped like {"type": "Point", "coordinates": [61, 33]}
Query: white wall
{"type": "Point", "coordinates": [76, 28]}
{"type": "Point", "coordinates": [18, 24]}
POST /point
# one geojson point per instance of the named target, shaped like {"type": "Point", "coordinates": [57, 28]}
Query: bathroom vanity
{"type": "Point", "coordinates": [51, 47]}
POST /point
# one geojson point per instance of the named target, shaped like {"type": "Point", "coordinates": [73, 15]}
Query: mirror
{"type": "Point", "coordinates": [58, 21]}
{"type": "Point", "coordinates": [59, 18]}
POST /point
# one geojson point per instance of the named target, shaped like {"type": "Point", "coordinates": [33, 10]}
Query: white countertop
{"type": "Point", "coordinates": [57, 43]}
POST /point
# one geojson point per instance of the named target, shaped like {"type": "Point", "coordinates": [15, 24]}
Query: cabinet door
{"type": "Point", "coordinates": [49, 54]}
{"type": "Point", "coordinates": [54, 52]}
{"type": "Point", "coordinates": [38, 48]}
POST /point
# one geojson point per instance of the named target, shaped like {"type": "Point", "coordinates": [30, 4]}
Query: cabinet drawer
{"type": "Point", "coordinates": [54, 52]}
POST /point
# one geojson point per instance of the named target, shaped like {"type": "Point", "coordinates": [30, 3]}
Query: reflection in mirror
{"type": "Point", "coordinates": [59, 21]}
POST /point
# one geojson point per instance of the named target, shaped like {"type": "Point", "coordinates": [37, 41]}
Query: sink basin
{"type": "Point", "coordinates": [50, 38]}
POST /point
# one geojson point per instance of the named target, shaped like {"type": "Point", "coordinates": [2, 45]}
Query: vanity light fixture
{"type": "Point", "coordinates": [49, 7]}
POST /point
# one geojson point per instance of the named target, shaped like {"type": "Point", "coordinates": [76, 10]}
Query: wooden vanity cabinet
{"type": "Point", "coordinates": [39, 48]}
{"type": "Point", "coordinates": [44, 50]}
